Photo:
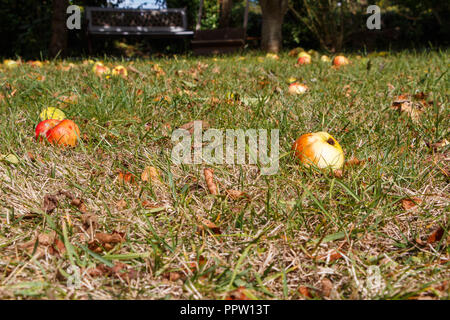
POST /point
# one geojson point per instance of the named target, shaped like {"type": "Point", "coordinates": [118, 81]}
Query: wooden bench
{"type": "Point", "coordinates": [128, 22]}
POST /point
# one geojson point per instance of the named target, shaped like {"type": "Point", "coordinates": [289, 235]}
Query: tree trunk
{"type": "Point", "coordinates": [225, 13]}
{"type": "Point", "coordinates": [58, 42]}
{"type": "Point", "coordinates": [273, 12]}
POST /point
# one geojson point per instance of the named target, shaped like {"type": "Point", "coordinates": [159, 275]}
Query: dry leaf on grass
{"type": "Point", "coordinates": [413, 106]}
{"type": "Point", "coordinates": [174, 276]}
{"type": "Point", "coordinates": [46, 242]}
{"type": "Point", "coordinates": [150, 173]}
{"type": "Point", "coordinates": [121, 204]}
{"type": "Point", "coordinates": [211, 225]}
{"type": "Point", "coordinates": [209, 178]}
{"type": "Point", "coordinates": [190, 126]}
{"type": "Point", "coordinates": [436, 236]}
{"type": "Point", "coordinates": [238, 294]}
{"type": "Point", "coordinates": [126, 177]}
{"type": "Point", "coordinates": [438, 145]}
{"type": "Point", "coordinates": [106, 241]}
{"type": "Point", "coordinates": [327, 286]}
{"type": "Point", "coordinates": [119, 270]}
{"type": "Point", "coordinates": [50, 203]}
{"type": "Point", "coordinates": [356, 162]}
{"type": "Point", "coordinates": [304, 291]}
{"type": "Point", "coordinates": [338, 173]}
{"type": "Point", "coordinates": [236, 194]}
{"type": "Point", "coordinates": [410, 203]}
{"type": "Point", "coordinates": [330, 257]}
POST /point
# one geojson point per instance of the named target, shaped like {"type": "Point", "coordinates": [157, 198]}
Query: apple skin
{"type": "Point", "coordinates": [66, 133]}
{"type": "Point", "coordinates": [303, 60]}
{"type": "Point", "coordinates": [44, 126]}
{"type": "Point", "coordinates": [320, 149]}
{"type": "Point", "coordinates": [119, 71]}
{"type": "Point", "coordinates": [324, 58]}
{"type": "Point", "coordinates": [297, 88]}
{"type": "Point", "coordinates": [10, 64]}
{"type": "Point", "coordinates": [340, 61]}
{"type": "Point", "coordinates": [99, 69]}
{"type": "Point", "coordinates": [273, 56]}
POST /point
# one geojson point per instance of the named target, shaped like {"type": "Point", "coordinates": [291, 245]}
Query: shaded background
{"type": "Point", "coordinates": [26, 27]}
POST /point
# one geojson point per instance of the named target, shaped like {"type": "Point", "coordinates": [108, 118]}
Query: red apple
{"type": "Point", "coordinates": [44, 126]}
{"type": "Point", "coordinates": [297, 88]}
{"type": "Point", "coordinates": [340, 61]}
{"type": "Point", "coordinates": [66, 133]}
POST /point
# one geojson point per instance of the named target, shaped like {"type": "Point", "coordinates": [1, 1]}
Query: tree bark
{"type": "Point", "coordinates": [58, 42]}
{"type": "Point", "coordinates": [273, 12]}
{"type": "Point", "coordinates": [225, 13]}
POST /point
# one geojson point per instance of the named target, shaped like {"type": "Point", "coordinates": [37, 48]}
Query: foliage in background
{"type": "Point", "coordinates": [405, 23]}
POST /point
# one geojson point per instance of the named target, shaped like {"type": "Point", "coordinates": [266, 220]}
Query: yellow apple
{"type": "Point", "coordinates": [297, 88]}
{"type": "Point", "coordinates": [119, 71]}
{"type": "Point", "coordinates": [320, 149]}
{"type": "Point", "coordinates": [273, 56]}
{"type": "Point", "coordinates": [52, 113]}
{"type": "Point", "coordinates": [10, 64]}
{"type": "Point", "coordinates": [324, 58]}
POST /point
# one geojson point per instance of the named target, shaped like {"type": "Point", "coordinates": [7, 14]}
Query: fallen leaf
{"type": "Point", "coordinates": [211, 225]}
{"type": "Point", "coordinates": [190, 126]}
{"type": "Point", "coordinates": [50, 203]}
{"type": "Point", "coordinates": [173, 276]}
{"type": "Point", "coordinates": [438, 145]}
{"type": "Point", "coordinates": [126, 177]}
{"type": "Point", "coordinates": [236, 194]}
{"type": "Point", "coordinates": [121, 204]}
{"type": "Point", "coordinates": [338, 173]}
{"type": "Point", "coordinates": [327, 286]}
{"type": "Point", "coordinates": [209, 178]}
{"type": "Point", "coordinates": [238, 294]}
{"type": "Point", "coordinates": [44, 242]}
{"type": "Point", "coordinates": [410, 203]}
{"type": "Point", "coordinates": [10, 158]}
{"type": "Point", "coordinates": [304, 291]}
{"type": "Point", "coordinates": [105, 241]}
{"type": "Point", "coordinates": [436, 236]}
{"type": "Point", "coordinates": [119, 270]}
{"type": "Point", "coordinates": [356, 162]}
{"type": "Point", "coordinates": [150, 173]}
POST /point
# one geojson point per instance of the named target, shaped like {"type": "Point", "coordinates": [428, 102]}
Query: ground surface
{"type": "Point", "coordinates": [377, 230]}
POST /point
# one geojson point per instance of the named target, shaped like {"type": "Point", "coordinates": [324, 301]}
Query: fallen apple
{"type": "Point", "coordinates": [44, 126]}
{"type": "Point", "coordinates": [297, 88]}
{"type": "Point", "coordinates": [10, 64]}
{"type": "Point", "coordinates": [99, 69]}
{"type": "Point", "coordinates": [119, 71]}
{"type": "Point", "coordinates": [325, 58]}
{"type": "Point", "coordinates": [52, 113]}
{"type": "Point", "coordinates": [340, 61]}
{"type": "Point", "coordinates": [273, 56]}
{"type": "Point", "coordinates": [303, 58]}
{"type": "Point", "coordinates": [66, 133]}
{"type": "Point", "coordinates": [320, 149]}
{"type": "Point", "coordinates": [36, 63]}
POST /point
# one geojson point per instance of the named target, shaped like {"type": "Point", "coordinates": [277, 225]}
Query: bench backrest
{"type": "Point", "coordinates": [135, 21]}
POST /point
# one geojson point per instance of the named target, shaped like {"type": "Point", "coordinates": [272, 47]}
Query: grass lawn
{"type": "Point", "coordinates": [377, 230]}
